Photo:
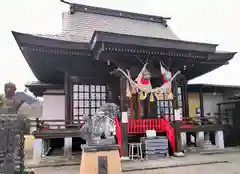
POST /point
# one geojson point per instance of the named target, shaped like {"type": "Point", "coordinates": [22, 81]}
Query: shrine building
{"type": "Point", "coordinates": [93, 61]}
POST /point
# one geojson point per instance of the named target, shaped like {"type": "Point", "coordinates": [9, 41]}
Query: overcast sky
{"type": "Point", "coordinates": [211, 21]}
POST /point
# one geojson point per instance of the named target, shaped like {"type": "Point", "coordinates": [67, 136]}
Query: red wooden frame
{"type": "Point", "coordinates": [118, 134]}
{"type": "Point", "coordinates": [140, 126]}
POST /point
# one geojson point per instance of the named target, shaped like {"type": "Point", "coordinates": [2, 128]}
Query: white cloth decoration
{"type": "Point", "coordinates": [147, 88]}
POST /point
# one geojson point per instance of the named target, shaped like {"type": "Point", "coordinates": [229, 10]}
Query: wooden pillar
{"type": "Point", "coordinates": [177, 123]}
{"type": "Point", "coordinates": [185, 98]}
{"type": "Point", "coordinates": [140, 108]}
{"type": "Point", "coordinates": [68, 99]}
{"type": "Point", "coordinates": [132, 113]}
{"type": "Point", "coordinates": [186, 107]}
{"type": "Point", "coordinates": [201, 102]}
{"type": "Point", "coordinates": [219, 115]}
{"type": "Point", "coordinates": [124, 116]}
{"type": "Point", "coordinates": [71, 119]}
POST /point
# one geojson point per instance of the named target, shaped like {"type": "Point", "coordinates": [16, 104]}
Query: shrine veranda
{"type": "Point", "coordinates": [78, 70]}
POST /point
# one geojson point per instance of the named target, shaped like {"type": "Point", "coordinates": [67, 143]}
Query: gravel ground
{"type": "Point", "coordinates": [224, 168]}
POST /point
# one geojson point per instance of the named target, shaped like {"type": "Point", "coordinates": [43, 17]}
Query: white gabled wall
{"type": "Point", "coordinates": [53, 106]}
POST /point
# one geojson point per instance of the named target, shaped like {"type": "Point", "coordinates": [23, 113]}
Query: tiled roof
{"type": "Point", "coordinates": [83, 24]}
{"type": "Point", "coordinates": [79, 27]}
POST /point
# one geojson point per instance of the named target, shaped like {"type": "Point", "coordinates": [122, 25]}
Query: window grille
{"type": "Point", "coordinates": [165, 107]}
{"type": "Point", "coordinates": [87, 99]}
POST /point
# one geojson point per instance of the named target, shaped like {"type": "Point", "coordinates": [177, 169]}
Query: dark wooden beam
{"type": "Point", "coordinates": [201, 102]}
{"type": "Point", "coordinates": [219, 120]}
{"type": "Point", "coordinates": [176, 123]}
{"type": "Point", "coordinates": [185, 103]}
{"type": "Point", "coordinates": [71, 102]}
{"type": "Point", "coordinates": [124, 122]}
{"type": "Point", "coordinates": [185, 96]}
{"type": "Point", "coordinates": [204, 128]}
{"type": "Point", "coordinates": [58, 133]}
{"type": "Point", "coordinates": [53, 93]}
{"type": "Point", "coordinates": [67, 92]}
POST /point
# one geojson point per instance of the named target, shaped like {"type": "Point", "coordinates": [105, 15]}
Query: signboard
{"type": "Point", "coordinates": [124, 117]}
{"type": "Point", "coordinates": [151, 133]}
{"type": "Point", "coordinates": [178, 114]}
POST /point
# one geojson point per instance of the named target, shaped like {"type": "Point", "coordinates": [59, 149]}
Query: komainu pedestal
{"type": "Point", "coordinates": [100, 159]}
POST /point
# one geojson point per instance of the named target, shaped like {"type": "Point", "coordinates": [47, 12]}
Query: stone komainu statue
{"type": "Point", "coordinates": [105, 115]}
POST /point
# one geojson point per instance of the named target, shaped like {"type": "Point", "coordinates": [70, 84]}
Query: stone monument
{"type": "Point", "coordinates": [8, 104]}
{"type": "Point", "coordinates": [99, 158]}
{"type": "Point", "coordinates": [12, 132]}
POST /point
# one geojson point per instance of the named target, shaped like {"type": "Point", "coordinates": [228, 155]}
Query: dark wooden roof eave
{"type": "Point", "coordinates": [218, 58]}
{"type": "Point", "coordinates": [201, 85]}
{"type": "Point", "coordinates": [222, 56]}
{"type": "Point", "coordinates": [108, 37]}
{"type": "Point", "coordinates": [52, 47]}
{"type": "Point", "coordinates": [28, 39]}
{"type": "Point", "coordinates": [211, 88]}
{"type": "Point", "coordinates": [201, 69]}
{"type": "Point", "coordinates": [44, 85]}
{"type": "Point", "coordinates": [215, 61]}
{"type": "Point", "coordinates": [199, 53]}
{"type": "Point", "coordinates": [38, 88]}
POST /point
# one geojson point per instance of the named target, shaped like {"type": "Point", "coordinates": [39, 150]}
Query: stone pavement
{"type": "Point", "coordinates": [55, 161]}
{"type": "Point", "coordinates": [192, 164]}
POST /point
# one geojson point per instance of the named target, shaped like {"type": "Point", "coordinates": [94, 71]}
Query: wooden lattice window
{"type": "Point", "coordinates": [179, 97]}
{"type": "Point", "coordinates": [87, 99]}
{"type": "Point", "coordinates": [165, 107]}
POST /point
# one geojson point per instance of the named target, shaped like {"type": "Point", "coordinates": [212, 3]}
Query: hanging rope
{"type": "Point", "coordinates": [163, 64]}
{"type": "Point", "coordinates": [145, 91]}
{"type": "Point", "coordinates": [140, 59]}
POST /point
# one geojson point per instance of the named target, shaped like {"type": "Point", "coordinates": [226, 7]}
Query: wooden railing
{"type": "Point", "coordinates": [42, 125]}
{"type": "Point", "coordinates": [206, 120]}
{"type": "Point", "coordinates": [140, 126]}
